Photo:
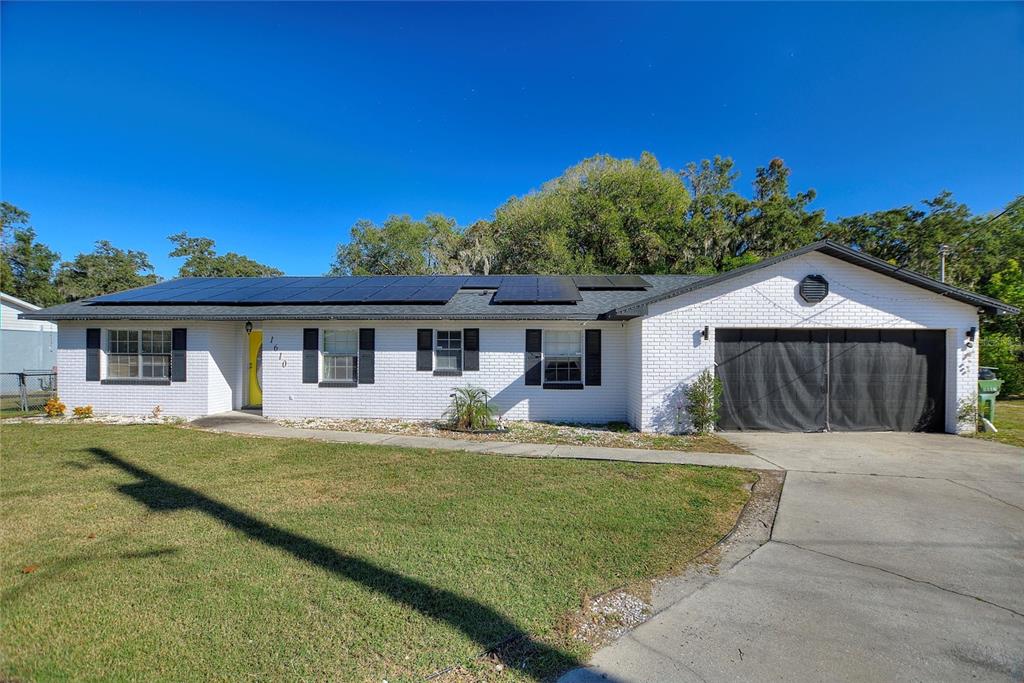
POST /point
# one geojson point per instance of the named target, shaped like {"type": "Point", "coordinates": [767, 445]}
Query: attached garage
{"type": "Point", "coordinates": [813, 380]}
{"type": "Point", "coordinates": [823, 338]}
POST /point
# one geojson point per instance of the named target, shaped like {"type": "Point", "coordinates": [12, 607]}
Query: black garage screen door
{"type": "Point", "coordinates": [841, 380]}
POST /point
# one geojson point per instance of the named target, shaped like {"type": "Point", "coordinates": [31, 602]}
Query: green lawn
{"type": "Point", "coordinates": [156, 552]}
{"type": "Point", "coordinates": [1009, 422]}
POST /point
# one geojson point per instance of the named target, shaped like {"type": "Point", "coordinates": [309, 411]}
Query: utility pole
{"type": "Point", "coordinates": [943, 250]}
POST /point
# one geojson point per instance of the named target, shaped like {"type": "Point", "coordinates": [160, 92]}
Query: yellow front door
{"type": "Point", "coordinates": [256, 368]}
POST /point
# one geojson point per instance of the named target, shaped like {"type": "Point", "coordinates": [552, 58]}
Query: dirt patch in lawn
{"type": "Point", "coordinates": [611, 435]}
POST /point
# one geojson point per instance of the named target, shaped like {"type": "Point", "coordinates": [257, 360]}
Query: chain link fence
{"type": "Point", "coordinates": [26, 391]}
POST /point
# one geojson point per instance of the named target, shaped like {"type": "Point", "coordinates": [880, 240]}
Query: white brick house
{"type": "Point", "coordinates": [821, 338]}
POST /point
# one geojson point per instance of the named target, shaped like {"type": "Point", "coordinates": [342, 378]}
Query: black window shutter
{"type": "Point", "coordinates": [310, 355]}
{"type": "Point", "coordinates": [532, 370]}
{"type": "Point", "coordinates": [471, 349]}
{"type": "Point", "coordinates": [592, 349]}
{"type": "Point", "coordinates": [425, 349]}
{"type": "Point", "coordinates": [367, 340]}
{"type": "Point", "coordinates": [179, 344]}
{"type": "Point", "coordinates": [92, 354]}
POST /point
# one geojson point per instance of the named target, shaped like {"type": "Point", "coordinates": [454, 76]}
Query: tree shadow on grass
{"type": "Point", "coordinates": [494, 633]}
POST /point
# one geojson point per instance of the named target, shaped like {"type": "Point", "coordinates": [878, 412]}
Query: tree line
{"type": "Point", "coordinates": [603, 215]}
{"type": "Point", "coordinates": [609, 215]}
{"type": "Point", "coordinates": [32, 271]}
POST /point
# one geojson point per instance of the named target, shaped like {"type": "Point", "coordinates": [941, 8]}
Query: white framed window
{"type": "Point", "coordinates": [139, 354]}
{"type": "Point", "coordinates": [341, 354]}
{"type": "Point", "coordinates": [448, 351]}
{"type": "Point", "coordinates": [563, 356]}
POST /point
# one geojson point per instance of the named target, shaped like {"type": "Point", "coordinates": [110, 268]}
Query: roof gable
{"type": "Point", "coordinates": [835, 250]}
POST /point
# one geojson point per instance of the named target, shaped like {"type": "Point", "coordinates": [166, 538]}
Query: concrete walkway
{"type": "Point", "coordinates": [893, 557]}
{"type": "Point", "coordinates": [238, 422]}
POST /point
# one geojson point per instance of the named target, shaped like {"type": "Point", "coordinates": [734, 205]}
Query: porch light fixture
{"type": "Point", "coordinates": [706, 333]}
{"type": "Point", "coordinates": [970, 336]}
{"type": "Point", "coordinates": [248, 327]}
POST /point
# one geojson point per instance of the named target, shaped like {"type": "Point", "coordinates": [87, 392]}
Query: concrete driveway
{"type": "Point", "coordinates": [893, 557]}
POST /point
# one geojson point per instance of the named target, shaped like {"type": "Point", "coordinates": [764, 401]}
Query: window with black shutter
{"type": "Point", "coordinates": [424, 350]}
{"type": "Point", "coordinates": [471, 349]}
{"type": "Point", "coordinates": [310, 355]}
{"type": "Point", "coordinates": [532, 358]}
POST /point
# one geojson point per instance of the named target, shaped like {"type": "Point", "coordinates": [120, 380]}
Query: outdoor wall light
{"type": "Point", "coordinates": [706, 333]}
{"type": "Point", "coordinates": [970, 336]}
{"type": "Point", "coordinates": [248, 327]}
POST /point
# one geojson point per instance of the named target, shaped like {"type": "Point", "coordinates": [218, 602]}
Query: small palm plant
{"type": "Point", "coordinates": [470, 410]}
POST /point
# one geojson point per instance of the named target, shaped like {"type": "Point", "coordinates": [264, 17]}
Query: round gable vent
{"type": "Point", "coordinates": [813, 288]}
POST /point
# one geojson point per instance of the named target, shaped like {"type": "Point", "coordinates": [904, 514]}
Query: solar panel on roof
{"type": "Point", "coordinates": [126, 295]}
{"type": "Point", "coordinates": [260, 294]}
{"type": "Point", "coordinates": [309, 281]}
{"type": "Point", "coordinates": [628, 282]}
{"type": "Point", "coordinates": [360, 292]}
{"type": "Point", "coordinates": [140, 296]}
{"type": "Point", "coordinates": [434, 294]}
{"type": "Point", "coordinates": [392, 294]}
{"type": "Point", "coordinates": [225, 297]}
{"type": "Point", "coordinates": [522, 289]}
{"type": "Point", "coordinates": [591, 282]}
{"type": "Point", "coordinates": [168, 285]}
{"type": "Point", "coordinates": [552, 289]}
{"type": "Point", "coordinates": [344, 281]}
{"type": "Point", "coordinates": [295, 296]}
{"type": "Point", "coordinates": [516, 290]}
{"type": "Point", "coordinates": [383, 280]}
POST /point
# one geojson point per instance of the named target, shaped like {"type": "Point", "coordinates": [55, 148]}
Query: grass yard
{"type": "Point", "coordinates": [1009, 422]}
{"type": "Point", "coordinates": [154, 552]}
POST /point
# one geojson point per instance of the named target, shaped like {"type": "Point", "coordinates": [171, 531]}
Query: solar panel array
{"type": "Point", "coordinates": [381, 289]}
{"type": "Point", "coordinates": [606, 282]}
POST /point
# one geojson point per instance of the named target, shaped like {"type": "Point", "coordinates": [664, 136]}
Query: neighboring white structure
{"type": "Point", "coordinates": [25, 344]}
{"type": "Point", "coordinates": [820, 338]}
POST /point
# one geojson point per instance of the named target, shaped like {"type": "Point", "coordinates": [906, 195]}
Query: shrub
{"type": "Point", "coordinates": [82, 411]}
{"type": "Point", "coordinates": [54, 408]}
{"type": "Point", "coordinates": [1004, 352]}
{"type": "Point", "coordinates": [703, 399]}
{"type": "Point", "coordinates": [469, 409]}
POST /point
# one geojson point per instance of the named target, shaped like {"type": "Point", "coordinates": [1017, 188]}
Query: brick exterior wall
{"type": "Point", "coordinates": [674, 353]}
{"type": "Point", "coordinates": [211, 378]}
{"type": "Point", "coordinates": [401, 391]}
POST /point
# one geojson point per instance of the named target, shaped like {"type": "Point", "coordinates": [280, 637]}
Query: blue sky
{"type": "Point", "coordinates": [273, 127]}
